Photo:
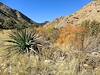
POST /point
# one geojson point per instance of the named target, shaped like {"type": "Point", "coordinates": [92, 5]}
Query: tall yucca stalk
{"type": "Point", "coordinates": [24, 41]}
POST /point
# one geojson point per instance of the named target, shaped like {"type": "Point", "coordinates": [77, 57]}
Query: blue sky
{"type": "Point", "coordinates": [46, 10]}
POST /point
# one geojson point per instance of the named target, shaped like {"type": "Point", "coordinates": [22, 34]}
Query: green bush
{"type": "Point", "coordinates": [93, 27]}
{"type": "Point", "coordinates": [9, 24]}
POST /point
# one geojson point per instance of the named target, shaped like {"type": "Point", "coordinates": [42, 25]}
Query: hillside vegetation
{"type": "Point", "coordinates": [57, 48]}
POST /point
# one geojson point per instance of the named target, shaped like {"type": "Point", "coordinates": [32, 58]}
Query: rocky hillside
{"type": "Point", "coordinates": [90, 12]}
{"type": "Point", "coordinates": [11, 18]}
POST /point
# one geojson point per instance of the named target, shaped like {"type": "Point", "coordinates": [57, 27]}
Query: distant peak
{"type": "Point", "coordinates": [1, 3]}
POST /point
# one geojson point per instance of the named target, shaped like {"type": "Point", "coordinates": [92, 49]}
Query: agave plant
{"type": "Point", "coordinates": [24, 41]}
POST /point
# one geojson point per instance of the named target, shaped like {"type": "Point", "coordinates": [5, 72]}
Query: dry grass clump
{"type": "Point", "coordinates": [50, 62]}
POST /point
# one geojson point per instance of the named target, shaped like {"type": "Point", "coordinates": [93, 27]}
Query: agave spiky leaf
{"type": "Point", "coordinates": [24, 41]}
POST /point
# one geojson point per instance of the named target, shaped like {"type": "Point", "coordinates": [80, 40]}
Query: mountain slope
{"type": "Point", "coordinates": [11, 18]}
{"type": "Point", "coordinates": [89, 12]}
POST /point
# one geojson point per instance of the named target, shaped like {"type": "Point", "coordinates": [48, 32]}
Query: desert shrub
{"type": "Point", "coordinates": [79, 35]}
{"type": "Point", "coordinates": [12, 24]}
{"type": "Point", "coordinates": [93, 27]}
{"type": "Point", "coordinates": [53, 35]}
{"type": "Point", "coordinates": [83, 37]}
{"type": "Point", "coordinates": [20, 27]}
{"type": "Point", "coordinates": [70, 34]}
{"type": "Point", "coordinates": [9, 24]}
{"type": "Point", "coordinates": [50, 33]}
{"type": "Point", "coordinates": [1, 21]}
{"type": "Point", "coordinates": [24, 41]}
